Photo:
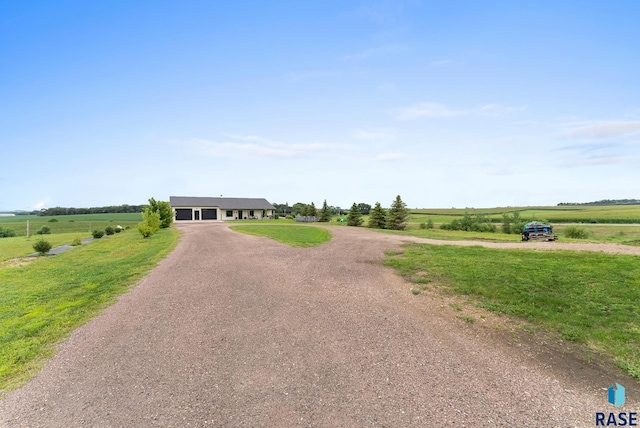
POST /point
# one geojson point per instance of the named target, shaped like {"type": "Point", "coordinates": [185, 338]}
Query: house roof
{"type": "Point", "coordinates": [223, 203]}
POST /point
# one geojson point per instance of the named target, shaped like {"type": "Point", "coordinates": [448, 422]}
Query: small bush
{"type": "Point", "coordinates": [7, 233]}
{"type": "Point", "coordinates": [423, 225]}
{"type": "Point", "coordinates": [42, 246]}
{"type": "Point", "coordinates": [97, 234]}
{"type": "Point", "coordinates": [289, 217]}
{"type": "Point", "coordinates": [110, 230]}
{"type": "Point", "coordinates": [575, 232]}
{"type": "Point", "coordinates": [53, 220]}
{"type": "Point", "coordinates": [430, 224]}
{"type": "Point", "coordinates": [276, 216]}
{"type": "Point", "coordinates": [118, 229]}
{"type": "Point", "coordinates": [76, 241]}
{"type": "Point", "coordinates": [45, 230]}
{"type": "Point", "coordinates": [145, 230]}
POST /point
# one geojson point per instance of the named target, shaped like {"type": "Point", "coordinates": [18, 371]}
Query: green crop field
{"type": "Point", "coordinates": [590, 298]}
{"type": "Point", "coordinates": [81, 223]}
{"type": "Point", "coordinates": [43, 299]}
{"type": "Point", "coordinates": [558, 214]}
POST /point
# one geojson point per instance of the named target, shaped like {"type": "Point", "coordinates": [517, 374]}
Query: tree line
{"type": "Point", "coordinates": [604, 202]}
{"type": "Point", "coordinates": [94, 210]}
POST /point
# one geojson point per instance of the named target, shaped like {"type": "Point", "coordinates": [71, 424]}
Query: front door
{"type": "Point", "coordinates": [239, 214]}
{"type": "Point", "coordinates": [196, 215]}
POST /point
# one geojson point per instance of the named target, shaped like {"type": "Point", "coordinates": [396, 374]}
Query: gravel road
{"type": "Point", "coordinates": [238, 330]}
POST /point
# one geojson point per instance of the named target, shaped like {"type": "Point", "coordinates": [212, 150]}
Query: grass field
{"type": "Point", "coordinates": [81, 223]}
{"type": "Point", "coordinates": [42, 301]}
{"type": "Point", "coordinates": [296, 236]}
{"type": "Point", "coordinates": [21, 246]}
{"type": "Point", "coordinates": [589, 298]}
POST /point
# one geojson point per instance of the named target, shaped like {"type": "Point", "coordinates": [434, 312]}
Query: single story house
{"type": "Point", "coordinates": [194, 208]}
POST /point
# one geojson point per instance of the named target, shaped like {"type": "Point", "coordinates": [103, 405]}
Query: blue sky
{"type": "Point", "coordinates": [447, 103]}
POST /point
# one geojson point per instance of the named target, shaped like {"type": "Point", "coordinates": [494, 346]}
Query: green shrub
{"type": "Point", "coordinates": [423, 225]}
{"type": "Point", "coordinates": [430, 224]}
{"type": "Point", "coordinates": [276, 216]}
{"type": "Point", "coordinates": [53, 220]}
{"type": "Point", "coordinates": [6, 233]}
{"type": "Point", "coordinates": [97, 234]}
{"type": "Point", "coordinates": [150, 223]}
{"type": "Point", "coordinates": [575, 232]}
{"type": "Point", "coordinates": [44, 230]}
{"type": "Point", "coordinates": [289, 217]}
{"type": "Point", "coordinates": [109, 230]}
{"type": "Point", "coordinates": [118, 229]}
{"type": "Point", "coordinates": [76, 241]}
{"type": "Point", "coordinates": [145, 230]}
{"type": "Point", "coordinates": [42, 246]}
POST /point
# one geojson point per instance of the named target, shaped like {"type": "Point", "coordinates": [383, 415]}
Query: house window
{"type": "Point", "coordinates": [229, 213]}
{"type": "Point", "coordinates": [251, 213]}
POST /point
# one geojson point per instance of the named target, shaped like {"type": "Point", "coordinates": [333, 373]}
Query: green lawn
{"type": "Point", "coordinates": [590, 298]}
{"type": "Point", "coordinates": [43, 301]}
{"type": "Point", "coordinates": [294, 235]}
{"type": "Point", "coordinates": [21, 246]}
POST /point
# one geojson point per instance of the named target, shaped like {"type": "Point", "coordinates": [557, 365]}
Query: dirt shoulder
{"type": "Point", "coordinates": [238, 330]}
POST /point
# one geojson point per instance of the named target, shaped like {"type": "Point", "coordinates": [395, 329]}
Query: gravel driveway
{"type": "Point", "coordinates": [238, 330]}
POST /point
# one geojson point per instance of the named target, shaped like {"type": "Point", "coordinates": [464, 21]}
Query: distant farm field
{"type": "Point", "coordinates": [559, 214]}
{"type": "Point", "coordinates": [81, 223]}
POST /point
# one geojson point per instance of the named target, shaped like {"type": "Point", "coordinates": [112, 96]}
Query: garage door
{"type": "Point", "coordinates": [183, 214]}
{"type": "Point", "coordinates": [209, 214]}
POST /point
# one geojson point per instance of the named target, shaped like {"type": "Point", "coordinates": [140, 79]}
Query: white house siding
{"type": "Point", "coordinates": [222, 213]}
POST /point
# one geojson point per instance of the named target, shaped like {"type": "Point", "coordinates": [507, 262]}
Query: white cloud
{"type": "Point", "coordinates": [437, 110]}
{"type": "Point", "coordinates": [389, 157]}
{"type": "Point", "coordinates": [41, 204]}
{"type": "Point", "coordinates": [604, 129]}
{"type": "Point", "coordinates": [429, 109]}
{"type": "Point", "coordinates": [374, 134]}
{"type": "Point", "coordinates": [253, 146]}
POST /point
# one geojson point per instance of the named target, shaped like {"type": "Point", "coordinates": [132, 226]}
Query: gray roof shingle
{"type": "Point", "coordinates": [222, 203]}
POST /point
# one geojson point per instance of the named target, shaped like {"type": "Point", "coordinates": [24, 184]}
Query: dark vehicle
{"type": "Point", "coordinates": [536, 231]}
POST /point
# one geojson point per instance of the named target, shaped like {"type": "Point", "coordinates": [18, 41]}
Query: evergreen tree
{"type": "Point", "coordinates": [311, 210]}
{"type": "Point", "coordinates": [354, 218]}
{"type": "Point", "coordinates": [378, 217]}
{"type": "Point", "coordinates": [398, 215]}
{"type": "Point", "coordinates": [325, 215]}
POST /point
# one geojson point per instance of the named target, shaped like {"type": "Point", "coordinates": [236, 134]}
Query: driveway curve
{"type": "Point", "coordinates": [238, 330]}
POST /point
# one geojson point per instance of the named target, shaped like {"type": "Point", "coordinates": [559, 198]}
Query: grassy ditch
{"type": "Point", "coordinates": [296, 236]}
{"type": "Point", "coordinates": [43, 301]}
{"type": "Point", "coordinates": [589, 298]}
